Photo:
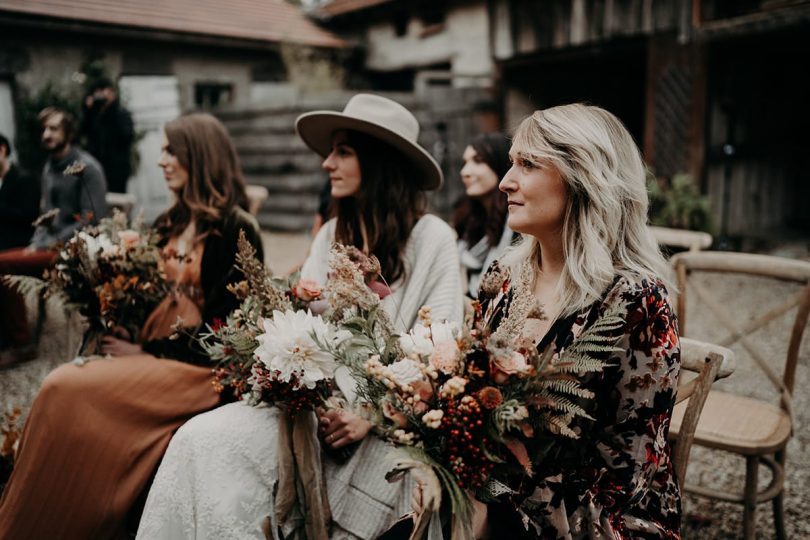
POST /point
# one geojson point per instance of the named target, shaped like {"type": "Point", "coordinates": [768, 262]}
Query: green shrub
{"type": "Point", "coordinates": [678, 203]}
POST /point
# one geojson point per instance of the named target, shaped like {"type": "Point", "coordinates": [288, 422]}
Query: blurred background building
{"type": "Point", "coordinates": [712, 89]}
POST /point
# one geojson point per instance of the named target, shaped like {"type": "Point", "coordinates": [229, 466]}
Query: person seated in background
{"type": "Point", "coordinates": [73, 182]}
{"type": "Point", "coordinates": [19, 201]}
{"type": "Point", "coordinates": [108, 128]}
{"type": "Point", "coordinates": [74, 189]}
{"type": "Point", "coordinates": [479, 217]}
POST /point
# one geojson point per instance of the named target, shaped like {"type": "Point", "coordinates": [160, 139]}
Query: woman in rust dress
{"type": "Point", "coordinates": [96, 432]}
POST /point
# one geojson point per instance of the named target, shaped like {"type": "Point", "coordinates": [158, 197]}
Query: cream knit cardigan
{"type": "Point", "coordinates": [431, 273]}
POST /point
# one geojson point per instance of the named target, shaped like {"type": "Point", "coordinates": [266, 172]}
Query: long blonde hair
{"type": "Point", "coordinates": [605, 230]}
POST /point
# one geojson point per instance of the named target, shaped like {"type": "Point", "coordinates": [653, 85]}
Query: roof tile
{"type": "Point", "coordinates": [260, 20]}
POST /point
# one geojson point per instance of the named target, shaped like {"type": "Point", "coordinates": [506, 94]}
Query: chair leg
{"type": "Point", "coordinates": [42, 311]}
{"type": "Point", "coordinates": [778, 502]}
{"type": "Point", "coordinates": [750, 497]}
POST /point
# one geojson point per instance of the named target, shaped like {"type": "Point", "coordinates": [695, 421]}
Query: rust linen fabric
{"type": "Point", "coordinates": [96, 432]}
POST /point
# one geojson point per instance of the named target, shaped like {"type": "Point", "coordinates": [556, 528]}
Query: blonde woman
{"type": "Point", "coordinates": [576, 193]}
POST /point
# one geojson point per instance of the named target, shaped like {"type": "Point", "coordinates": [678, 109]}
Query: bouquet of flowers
{"type": "Point", "coordinates": [471, 407]}
{"type": "Point", "coordinates": [111, 272]}
{"type": "Point", "coordinates": [274, 350]}
{"type": "Point", "coordinates": [273, 308]}
{"type": "Point", "coordinates": [10, 433]}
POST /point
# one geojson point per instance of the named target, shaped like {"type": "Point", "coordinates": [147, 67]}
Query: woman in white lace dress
{"type": "Point", "coordinates": [218, 477]}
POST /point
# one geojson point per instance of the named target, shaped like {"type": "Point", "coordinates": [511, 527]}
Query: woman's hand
{"type": "Point", "coordinates": [119, 347]}
{"type": "Point", "coordinates": [341, 427]}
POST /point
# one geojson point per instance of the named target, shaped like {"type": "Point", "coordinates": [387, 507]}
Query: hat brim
{"type": "Point", "coordinates": [316, 129]}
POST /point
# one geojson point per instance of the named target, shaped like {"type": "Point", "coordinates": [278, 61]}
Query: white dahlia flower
{"type": "Point", "coordinates": [289, 348]}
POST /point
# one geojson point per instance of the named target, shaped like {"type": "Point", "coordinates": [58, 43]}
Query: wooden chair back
{"type": "Point", "coordinates": [681, 238]}
{"type": "Point", "coordinates": [778, 268]}
{"type": "Point", "coordinates": [710, 362]}
{"type": "Point", "coordinates": [256, 196]}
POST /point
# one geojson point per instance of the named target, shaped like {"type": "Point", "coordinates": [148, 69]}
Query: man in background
{"type": "Point", "coordinates": [73, 195]}
{"type": "Point", "coordinates": [107, 125]}
{"type": "Point", "coordinates": [19, 201]}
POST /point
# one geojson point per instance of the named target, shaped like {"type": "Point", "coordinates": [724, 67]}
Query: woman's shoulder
{"type": "Point", "coordinates": [647, 297]}
{"type": "Point", "coordinates": [237, 217]}
{"type": "Point", "coordinates": [326, 234]}
{"type": "Point", "coordinates": [434, 227]}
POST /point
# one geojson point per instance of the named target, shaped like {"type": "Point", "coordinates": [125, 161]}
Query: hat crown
{"type": "Point", "coordinates": [385, 113]}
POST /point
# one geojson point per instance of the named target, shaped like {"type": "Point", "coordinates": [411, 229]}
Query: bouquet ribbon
{"type": "Point", "coordinates": [300, 475]}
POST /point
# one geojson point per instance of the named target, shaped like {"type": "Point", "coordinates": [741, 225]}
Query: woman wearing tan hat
{"type": "Point", "coordinates": [219, 476]}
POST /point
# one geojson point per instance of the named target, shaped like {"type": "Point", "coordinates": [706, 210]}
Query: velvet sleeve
{"type": "Point", "coordinates": [218, 271]}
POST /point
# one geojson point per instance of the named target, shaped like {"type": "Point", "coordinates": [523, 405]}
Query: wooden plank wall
{"type": "Point", "coordinates": [526, 26]}
{"type": "Point", "coordinates": [273, 156]}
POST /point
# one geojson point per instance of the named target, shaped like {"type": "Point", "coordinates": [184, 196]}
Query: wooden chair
{"type": "Point", "coordinates": [681, 238]}
{"type": "Point", "coordinates": [123, 201]}
{"type": "Point", "coordinates": [753, 428]}
{"type": "Point", "coordinates": [710, 363]}
{"type": "Point", "coordinates": [256, 196]}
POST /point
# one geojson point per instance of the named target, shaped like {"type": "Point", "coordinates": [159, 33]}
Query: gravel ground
{"type": "Point", "coordinates": [704, 518]}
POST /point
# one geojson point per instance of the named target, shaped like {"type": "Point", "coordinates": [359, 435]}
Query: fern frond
{"type": "Point", "coordinates": [559, 425]}
{"type": "Point", "coordinates": [566, 386]}
{"type": "Point", "coordinates": [579, 363]}
{"type": "Point", "coordinates": [26, 285]}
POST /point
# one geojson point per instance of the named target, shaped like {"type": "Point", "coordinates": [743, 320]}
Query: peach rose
{"type": "Point", "coordinates": [129, 238]}
{"type": "Point", "coordinates": [397, 417]}
{"type": "Point", "coordinates": [506, 364]}
{"type": "Point", "coordinates": [307, 290]}
{"type": "Point", "coordinates": [424, 390]}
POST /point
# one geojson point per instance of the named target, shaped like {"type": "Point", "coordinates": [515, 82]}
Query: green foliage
{"type": "Point", "coordinates": [678, 203]}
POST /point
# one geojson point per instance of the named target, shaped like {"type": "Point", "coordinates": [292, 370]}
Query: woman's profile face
{"type": "Point", "coordinates": [343, 167]}
{"type": "Point", "coordinates": [536, 195]}
{"type": "Point", "coordinates": [479, 179]}
{"type": "Point", "coordinates": [174, 173]}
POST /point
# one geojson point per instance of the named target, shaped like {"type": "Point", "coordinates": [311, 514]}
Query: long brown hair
{"type": "Point", "coordinates": [472, 218]}
{"type": "Point", "coordinates": [215, 183]}
{"type": "Point", "coordinates": [389, 204]}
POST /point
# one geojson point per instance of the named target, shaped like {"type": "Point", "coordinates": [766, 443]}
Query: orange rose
{"type": "Point", "coordinates": [397, 417]}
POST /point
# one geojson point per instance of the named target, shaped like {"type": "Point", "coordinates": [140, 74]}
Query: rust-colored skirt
{"type": "Point", "coordinates": [94, 437]}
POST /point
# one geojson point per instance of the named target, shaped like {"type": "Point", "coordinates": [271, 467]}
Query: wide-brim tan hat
{"type": "Point", "coordinates": [379, 117]}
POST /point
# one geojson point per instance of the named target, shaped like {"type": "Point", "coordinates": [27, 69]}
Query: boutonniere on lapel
{"type": "Point", "coordinates": [46, 219]}
{"type": "Point", "coordinates": [75, 169]}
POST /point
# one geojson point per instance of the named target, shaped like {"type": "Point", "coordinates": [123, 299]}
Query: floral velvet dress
{"type": "Point", "coordinates": [616, 480]}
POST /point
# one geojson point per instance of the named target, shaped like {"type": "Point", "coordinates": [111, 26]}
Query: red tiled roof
{"type": "Point", "coordinates": [256, 20]}
{"type": "Point", "coordinates": [339, 7]}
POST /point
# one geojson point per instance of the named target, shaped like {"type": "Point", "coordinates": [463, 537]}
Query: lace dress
{"type": "Point", "coordinates": [218, 478]}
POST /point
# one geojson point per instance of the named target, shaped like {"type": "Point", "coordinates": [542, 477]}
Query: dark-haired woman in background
{"type": "Point", "coordinates": [480, 216]}
{"type": "Point", "coordinates": [96, 432]}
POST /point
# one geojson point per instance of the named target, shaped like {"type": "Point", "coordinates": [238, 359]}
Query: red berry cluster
{"type": "Point", "coordinates": [463, 424]}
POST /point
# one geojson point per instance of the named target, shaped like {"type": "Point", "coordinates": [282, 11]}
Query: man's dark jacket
{"type": "Point", "coordinates": [109, 135]}
{"type": "Point", "coordinates": [19, 207]}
